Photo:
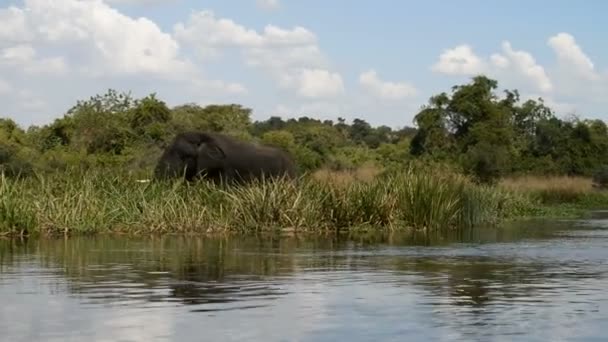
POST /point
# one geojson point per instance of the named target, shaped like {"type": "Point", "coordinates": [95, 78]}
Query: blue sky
{"type": "Point", "coordinates": [376, 60]}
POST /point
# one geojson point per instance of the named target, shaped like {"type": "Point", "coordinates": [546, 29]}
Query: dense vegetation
{"type": "Point", "coordinates": [473, 129]}
{"type": "Point", "coordinates": [78, 173]}
{"type": "Point", "coordinates": [93, 203]}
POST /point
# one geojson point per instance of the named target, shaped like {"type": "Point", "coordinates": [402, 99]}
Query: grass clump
{"type": "Point", "coordinates": [559, 193]}
{"type": "Point", "coordinates": [88, 203]}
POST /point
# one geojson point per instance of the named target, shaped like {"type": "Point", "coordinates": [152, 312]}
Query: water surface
{"type": "Point", "coordinates": [539, 281]}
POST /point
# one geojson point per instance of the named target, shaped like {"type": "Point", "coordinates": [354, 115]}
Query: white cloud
{"type": "Point", "coordinates": [209, 34]}
{"type": "Point", "coordinates": [268, 4]}
{"type": "Point", "coordinates": [314, 83]}
{"type": "Point", "coordinates": [523, 64]}
{"type": "Point", "coordinates": [105, 40]}
{"type": "Point", "coordinates": [572, 57]}
{"type": "Point", "coordinates": [140, 2]}
{"type": "Point", "coordinates": [24, 57]}
{"type": "Point", "coordinates": [518, 67]}
{"type": "Point", "coordinates": [500, 61]}
{"type": "Point", "coordinates": [460, 60]}
{"type": "Point", "coordinates": [578, 78]}
{"type": "Point", "coordinates": [14, 26]}
{"type": "Point", "coordinates": [91, 46]}
{"type": "Point", "coordinates": [29, 101]}
{"type": "Point", "coordinates": [573, 84]}
{"type": "Point", "coordinates": [292, 57]}
{"type": "Point", "coordinates": [383, 89]}
{"type": "Point", "coordinates": [221, 86]}
{"type": "Point", "coordinates": [4, 87]}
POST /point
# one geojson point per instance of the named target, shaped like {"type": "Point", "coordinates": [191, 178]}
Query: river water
{"type": "Point", "coordinates": [538, 281]}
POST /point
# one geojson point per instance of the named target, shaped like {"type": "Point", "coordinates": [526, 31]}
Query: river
{"type": "Point", "coordinates": [533, 281]}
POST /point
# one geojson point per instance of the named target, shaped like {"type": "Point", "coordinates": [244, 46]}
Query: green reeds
{"type": "Point", "coordinates": [88, 203]}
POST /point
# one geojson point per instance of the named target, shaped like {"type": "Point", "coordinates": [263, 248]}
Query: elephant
{"type": "Point", "coordinates": [220, 157]}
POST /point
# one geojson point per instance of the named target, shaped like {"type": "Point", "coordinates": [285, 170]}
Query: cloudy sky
{"type": "Point", "coordinates": [378, 60]}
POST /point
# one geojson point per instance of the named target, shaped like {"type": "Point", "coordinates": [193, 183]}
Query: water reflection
{"type": "Point", "coordinates": [539, 280]}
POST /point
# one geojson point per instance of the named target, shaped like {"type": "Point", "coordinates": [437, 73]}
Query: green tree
{"type": "Point", "coordinates": [149, 118]}
{"type": "Point", "coordinates": [279, 138]}
{"type": "Point", "coordinates": [471, 125]}
{"type": "Point", "coordinates": [217, 118]}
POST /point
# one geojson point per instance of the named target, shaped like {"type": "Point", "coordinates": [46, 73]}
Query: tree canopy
{"type": "Point", "coordinates": [472, 127]}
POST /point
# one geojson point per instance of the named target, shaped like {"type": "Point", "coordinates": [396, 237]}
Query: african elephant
{"type": "Point", "coordinates": [218, 156]}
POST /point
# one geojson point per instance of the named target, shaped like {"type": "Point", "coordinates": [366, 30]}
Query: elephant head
{"type": "Point", "coordinates": [210, 159]}
{"type": "Point", "coordinates": [180, 157]}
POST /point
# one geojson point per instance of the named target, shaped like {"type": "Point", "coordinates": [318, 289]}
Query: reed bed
{"type": "Point", "coordinates": [91, 203]}
{"type": "Point", "coordinates": [556, 190]}
{"type": "Point", "coordinates": [364, 173]}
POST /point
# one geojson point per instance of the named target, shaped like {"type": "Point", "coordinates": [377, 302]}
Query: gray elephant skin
{"type": "Point", "coordinates": [220, 157]}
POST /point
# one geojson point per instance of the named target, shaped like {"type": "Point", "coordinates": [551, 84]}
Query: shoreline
{"type": "Point", "coordinates": [68, 205]}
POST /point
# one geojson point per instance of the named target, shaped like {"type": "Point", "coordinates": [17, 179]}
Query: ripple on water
{"type": "Point", "coordinates": [534, 288]}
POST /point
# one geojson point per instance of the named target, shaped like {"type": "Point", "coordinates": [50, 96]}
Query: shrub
{"type": "Point", "coordinates": [600, 177]}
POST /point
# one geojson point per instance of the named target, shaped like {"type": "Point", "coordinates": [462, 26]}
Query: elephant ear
{"type": "Point", "coordinates": [213, 151]}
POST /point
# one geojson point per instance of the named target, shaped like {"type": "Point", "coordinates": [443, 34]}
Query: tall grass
{"type": "Point", "coordinates": [364, 173]}
{"type": "Point", "coordinates": [563, 190]}
{"type": "Point", "coordinates": [88, 203]}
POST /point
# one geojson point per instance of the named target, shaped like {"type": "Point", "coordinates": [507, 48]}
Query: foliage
{"type": "Point", "coordinates": [485, 135]}
{"type": "Point", "coordinates": [600, 177]}
{"type": "Point", "coordinates": [471, 129]}
{"type": "Point", "coordinates": [77, 173]}
{"type": "Point", "coordinates": [116, 131]}
{"type": "Point", "coordinates": [95, 202]}
{"type": "Point", "coordinates": [492, 137]}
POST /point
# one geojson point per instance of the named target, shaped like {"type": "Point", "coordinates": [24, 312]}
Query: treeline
{"type": "Point", "coordinates": [472, 129]}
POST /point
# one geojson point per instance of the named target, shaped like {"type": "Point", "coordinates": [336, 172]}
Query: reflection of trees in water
{"type": "Point", "coordinates": [466, 292]}
{"type": "Point", "coordinates": [186, 270]}
{"type": "Point", "coordinates": [472, 281]}
{"type": "Point", "coordinates": [195, 271]}
{"type": "Point", "coordinates": [10, 249]}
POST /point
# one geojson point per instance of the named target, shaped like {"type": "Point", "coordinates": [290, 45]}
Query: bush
{"type": "Point", "coordinates": [11, 165]}
{"type": "Point", "coordinates": [600, 177]}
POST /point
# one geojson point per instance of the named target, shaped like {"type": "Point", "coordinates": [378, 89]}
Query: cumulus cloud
{"type": "Point", "coordinates": [103, 39]}
{"type": "Point", "coordinates": [515, 66]}
{"type": "Point", "coordinates": [14, 28]}
{"type": "Point", "coordinates": [291, 56]}
{"type": "Point", "coordinates": [140, 2]}
{"type": "Point", "coordinates": [460, 60]}
{"type": "Point", "coordinates": [89, 46]}
{"type": "Point", "coordinates": [268, 4]}
{"type": "Point", "coordinates": [4, 87]}
{"type": "Point", "coordinates": [572, 84]}
{"type": "Point", "coordinates": [30, 101]}
{"type": "Point", "coordinates": [210, 35]}
{"type": "Point", "coordinates": [577, 75]}
{"type": "Point", "coordinates": [571, 56]}
{"type": "Point", "coordinates": [24, 56]}
{"type": "Point", "coordinates": [221, 86]}
{"type": "Point", "coordinates": [384, 89]}
{"type": "Point", "coordinates": [500, 61]}
{"type": "Point", "coordinates": [314, 83]}
{"type": "Point", "coordinates": [523, 64]}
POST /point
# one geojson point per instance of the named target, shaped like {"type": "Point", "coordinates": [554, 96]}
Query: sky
{"type": "Point", "coordinates": [375, 60]}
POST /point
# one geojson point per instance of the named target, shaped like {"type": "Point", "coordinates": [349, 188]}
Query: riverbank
{"type": "Point", "coordinates": [94, 203]}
